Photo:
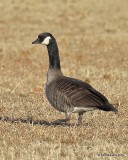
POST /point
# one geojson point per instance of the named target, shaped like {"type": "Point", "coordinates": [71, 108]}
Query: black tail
{"type": "Point", "coordinates": [108, 107]}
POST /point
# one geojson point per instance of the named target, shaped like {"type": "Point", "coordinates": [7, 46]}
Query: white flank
{"type": "Point", "coordinates": [46, 40]}
{"type": "Point", "coordinates": [82, 109]}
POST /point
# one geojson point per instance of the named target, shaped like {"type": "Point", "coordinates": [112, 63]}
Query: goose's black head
{"type": "Point", "coordinates": [44, 38]}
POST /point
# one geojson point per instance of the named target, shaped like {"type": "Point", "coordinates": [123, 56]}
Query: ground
{"type": "Point", "coordinates": [93, 42]}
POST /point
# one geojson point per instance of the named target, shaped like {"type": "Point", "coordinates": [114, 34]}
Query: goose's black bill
{"type": "Point", "coordinates": [37, 41]}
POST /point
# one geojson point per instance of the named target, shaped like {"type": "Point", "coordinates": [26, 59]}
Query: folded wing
{"type": "Point", "coordinates": [79, 93]}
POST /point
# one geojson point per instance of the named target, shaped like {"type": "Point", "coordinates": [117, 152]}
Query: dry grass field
{"type": "Point", "coordinates": [93, 41]}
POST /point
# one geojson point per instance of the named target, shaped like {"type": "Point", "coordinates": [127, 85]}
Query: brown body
{"type": "Point", "coordinates": [66, 94]}
{"type": "Point", "coordinates": [72, 95]}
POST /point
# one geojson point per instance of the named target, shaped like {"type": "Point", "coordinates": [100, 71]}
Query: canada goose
{"type": "Point", "coordinates": [66, 94]}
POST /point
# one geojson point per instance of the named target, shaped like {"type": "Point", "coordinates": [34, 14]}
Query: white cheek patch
{"type": "Point", "coordinates": [46, 40]}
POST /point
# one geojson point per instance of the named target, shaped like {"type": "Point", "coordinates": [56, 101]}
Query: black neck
{"type": "Point", "coordinates": [54, 60]}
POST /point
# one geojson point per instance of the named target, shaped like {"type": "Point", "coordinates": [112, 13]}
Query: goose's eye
{"type": "Point", "coordinates": [40, 37]}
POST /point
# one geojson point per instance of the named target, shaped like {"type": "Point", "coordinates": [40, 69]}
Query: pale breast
{"type": "Point", "coordinates": [53, 74]}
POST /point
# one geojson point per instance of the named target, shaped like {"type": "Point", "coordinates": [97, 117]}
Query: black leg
{"type": "Point", "coordinates": [60, 121]}
{"type": "Point", "coordinates": [80, 118]}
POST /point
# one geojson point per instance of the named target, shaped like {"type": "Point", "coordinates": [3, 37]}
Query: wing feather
{"type": "Point", "coordinates": [79, 93]}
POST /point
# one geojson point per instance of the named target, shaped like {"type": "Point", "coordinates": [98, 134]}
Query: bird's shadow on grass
{"type": "Point", "coordinates": [32, 122]}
